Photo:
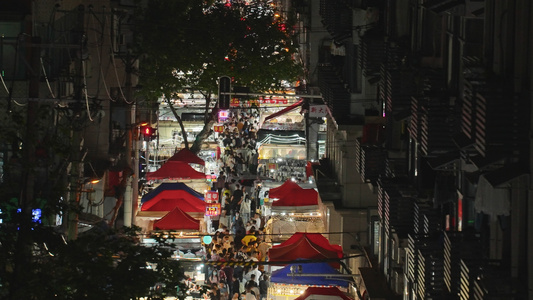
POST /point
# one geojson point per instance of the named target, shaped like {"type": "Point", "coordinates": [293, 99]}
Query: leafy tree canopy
{"type": "Point", "coordinates": [99, 264]}
{"type": "Point", "coordinates": [190, 44]}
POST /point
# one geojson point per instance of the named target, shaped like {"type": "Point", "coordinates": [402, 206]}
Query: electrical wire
{"type": "Point", "coordinates": [85, 91]}
{"type": "Point", "coordinates": [4, 83]}
{"type": "Point", "coordinates": [46, 78]}
{"type": "Point", "coordinates": [99, 55]}
{"type": "Point", "coordinates": [115, 66]}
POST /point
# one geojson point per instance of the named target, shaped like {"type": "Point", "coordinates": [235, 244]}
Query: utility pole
{"type": "Point", "coordinates": [76, 161]}
{"type": "Point", "coordinates": [23, 253]}
{"type": "Point", "coordinates": [132, 157]}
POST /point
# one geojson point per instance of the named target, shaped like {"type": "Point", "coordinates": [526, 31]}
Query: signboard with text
{"type": "Point", "coordinates": [223, 115]}
{"type": "Point", "coordinates": [212, 209]}
{"type": "Point", "coordinates": [211, 197]}
{"type": "Point", "coordinates": [317, 111]}
{"type": "Point", "coordinates": [218, 128]}
{"type": "Point", "coordinates": [272, 166]}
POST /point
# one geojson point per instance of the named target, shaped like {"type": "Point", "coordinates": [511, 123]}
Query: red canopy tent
{"type": "Point", "coordinates": [191, 205]}
{"type": "Point", "coordinates": [286, 187]}
{"type": "Point", "coordinates": [316, 238]}
{"type": "Point", "coordinates": [297, 198]}
{"type": "Point", "coordinates": [175, 170]}
{"type": "Point", "coordinates": [323, 293]}
{"type": "Point", "coordinates": [305, 246]}
{"type": "Point", "coordinates": [294, 198]}
{"type": "Point", "coordinates": [177, 219]}
{"type": "Point", "coordinates": [186, 155]}
{"type": "Point", "coordinates": [170, 194]}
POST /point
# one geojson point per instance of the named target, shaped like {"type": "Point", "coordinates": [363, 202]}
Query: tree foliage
{"type": "Point", "coordinates": [99, 264]}
{"type": "Point", "coordinates": [189, 44]}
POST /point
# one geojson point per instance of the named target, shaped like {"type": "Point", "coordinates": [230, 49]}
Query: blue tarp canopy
{"type": "Point", "coordinates": [171, 186]}
{"type": "Point", "coordinates": [322, 268]}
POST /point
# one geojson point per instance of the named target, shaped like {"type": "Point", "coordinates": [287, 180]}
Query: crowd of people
{"type": "Point", "coordinates": [239, 240]}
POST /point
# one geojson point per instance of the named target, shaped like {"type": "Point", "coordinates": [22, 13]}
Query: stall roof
{"type": "Point", "coordinates": [316, 238]}
{"type": "Point", "coordinates": [323, 293]}
{"type": "Point", "coordinates": [305, 246]}
{"type": "Point", "coordinates": [177, 219]}
{"type": "Point", "coordinates": [172, 189]}
{"type": "Point", "coordinates": [175, 170]}
{"type": "Point", "coordinates": [167, 204]}
{"type": "Point", "coordinates": [186, 155]}
{"type": "Point", "coordinates": [286, 187]}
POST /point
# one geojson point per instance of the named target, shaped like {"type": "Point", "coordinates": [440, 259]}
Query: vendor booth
{"type": "Point", "coordinates": [295, 209]}
{"type": "Point", "coordinates": [305, 245]}
{"type": "Point", "coordinates": [167, 196]}
{"type": "Point", "coordinates": [178, 171]}
{"type": "Point", "coordinates": [292, 280]}
{"type": "Point", "coordinates": [186, 155]}
{"type": "Point", "coordinates": [175, 170]}
{"type": "Point", "coordinates": [177, 220]}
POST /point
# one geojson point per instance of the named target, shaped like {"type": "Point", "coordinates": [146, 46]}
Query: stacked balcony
{"type": "Point", "coordinates": [458, 247]}
{"type": "Point", "coordinates": [370, 161]}
{"type": "Point", "coordinates": [337, 18]}
{"type": "Point", "coordinates": [425, 267]}
{"type": "Point", "coordinates": [426, 219]}
{"type": "Point", "coordinates": [433, 124]}
{"type": "Point", "coordinates": [334, 93]}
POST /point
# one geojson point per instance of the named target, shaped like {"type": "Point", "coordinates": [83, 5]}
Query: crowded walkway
{"type": "Point", "coordinates": [239, 229]}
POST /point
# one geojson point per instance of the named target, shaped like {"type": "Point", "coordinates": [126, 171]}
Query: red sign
{"type": "Point", "coordinates": [218, 128]}
{"type": "Point", "coordinates": [223, 115]}
{"type": "Point", "coordinates": [272, 166]}
{"type": "Point", "coordinates": [273, 100]}
{"type": "Point", "coordinates": [211, 197]}
{"type": "Point", "coordinates": [234, 102]}
{"type": "Point", "coordinates": [212, 210]}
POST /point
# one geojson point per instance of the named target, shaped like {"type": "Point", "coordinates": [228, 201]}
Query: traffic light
{"type": "Point", "coordinates": [148, 132]}
{"type": "Point", "coordinates": [224, 88]}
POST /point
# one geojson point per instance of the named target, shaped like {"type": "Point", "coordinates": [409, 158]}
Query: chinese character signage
{"type": "Point", "coordinates": [317, 111]}
{"type": "Point", "coordinates": [223, 115]}
{"type": "Point", "coordinates": [212, 209]}
{"type": "Point", "coordinates": [211, 197]}
{"type": "Point", "coordinates": [235, 102]}
{"type": "Point", "coordinates": [273, 100]}
{"type": "Point", "coordinates": [218, 128]}
{"type": "Point", "coordinates": [272, 166]}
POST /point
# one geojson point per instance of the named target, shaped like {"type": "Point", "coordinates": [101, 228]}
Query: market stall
{"type": "Point", "coordinates": [177, 220]}
{"type": "Point", "coordinates": [292, 280]}
{"type": "Point", "coordinates": [295, 209]}
{"type": "Point", "coordinates": [179, 171]}
{"type": "Point", "coordinates": [305, 245]}
{"type": "Point", "coordinates": [171, 189]}
{"type": "Point", "coordinates": [186, 155]}
{"type": "Point", "coordinates": [167, 196]}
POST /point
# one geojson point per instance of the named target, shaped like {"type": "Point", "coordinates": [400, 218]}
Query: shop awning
{"type": "Point", "coordinates": [285, 110]}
